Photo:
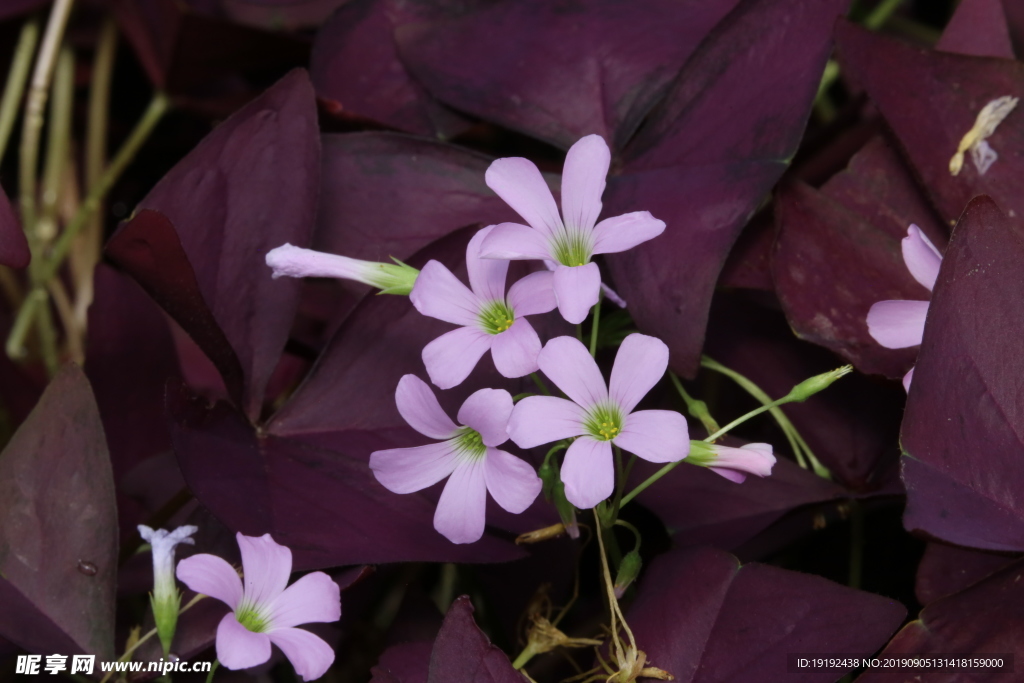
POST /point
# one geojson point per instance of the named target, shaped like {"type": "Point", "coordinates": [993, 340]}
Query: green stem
{"type": "Point", "coordinates": [697, 409]}
{"type": "Point", "coordinates": [525, 656]}
{"type": "Point", "coordinates": [62, 102]}
{"type": "Point", "coordinates": [594, 326]}
{"type": "Point", "coordinates": [23, 322]}
{"type": "Point", "coordinates": [209, 676]}
{"type": "Point", "coordinates": [17, 77]}
{"type": "Point", "coordinates": [157, 107]}
{"type": "Point", "coordinates": [881, 14]}
{"type": "Point", "coordinates": [636, 532]}
{"type": "Point", "coordinates": [540, 383]}
{"type": "Point", "coordinates": [48, 336]}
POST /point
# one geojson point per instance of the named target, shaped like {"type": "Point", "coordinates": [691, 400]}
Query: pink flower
{"type": "Point", "coordinates": [600, 416]}
{"type": "Point", "coordinates": [733, 463]}
{"type": "Point", "coordinates": [489, 319]}
{"type": "Point", "coordinates": [265, 612]}
{"type": "Point", "coordinates": [467, 453]}
{"type": "Point", "coordinates": [572, 243]}
{"type": "Point", "coordinates": [899, 324]}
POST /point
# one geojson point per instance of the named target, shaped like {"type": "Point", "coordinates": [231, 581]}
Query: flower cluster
{"type": "Point", "coordinates": [596, 419]}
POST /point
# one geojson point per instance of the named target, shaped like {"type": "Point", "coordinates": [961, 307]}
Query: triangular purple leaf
{"type": "Point", "coordinates": [979, 28]}
{"type": "Point", "coordinates": [948, 569]}
{"type": "Point", "coordinates": [463, 654]}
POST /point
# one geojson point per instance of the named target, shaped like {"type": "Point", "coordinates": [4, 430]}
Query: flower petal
{"type": "Point", "coordinates": [313, 598]}
{"type": "Point", "coordinates": [588, 472]}
{"type": "Point", "coordinates": [452, 356]}
{"type": "Point", "coordinates": [751, 458]}
{"type": "Point", "coordinates": [487, 411]}
{"type": "Point", "coordinates": [897, 324]}
{"type": "Point", "coordinates": [238, 647]}
{"type": "Point", "coordinates": [439, 294]}
{"type": "Point", "coordinates": [655, 435]}
{"type": "Point", "coordinates": [515, 350]}
{"type": "Point", "coordinates": [583, 180]}
{"type": "Point", "coordinates": [418, 406]}
{"type": "Point", "coordinates": [520, 184]}
{"type": "Point", "coordinates": [515, 242]}
{"type": "Point", "coordinates": [538, 420]}
{"type": "Point", "coordinates": [731, 475]}
{"type": "Point", "coordinates": [922, 258]}
{"type": "Point", "coordinates": [463, 504]}
{"type": "Point", "coordinates": [486, 275]}
{"type": "Point", "coordinates": [309, 654]}
{"type": "Point", "coordinates": [213, 576]}
{"type": "Point", "coordinates": [533, 294]}
{"type": "Point", "coordinates": [624, 232]}
{"type": "Point", "coordinates": [513, 483]}
{"type": "Point", "coordinates": [641, 361]}
{"type": "Point", "coordinates": [290, 261]}
{"type": "Point", "coordinates": [266, 566]}
{"type": "Point", "coordinates": [566, 361]}
{"type": "Point", "coordinates": [907, 379]}
{"type": "Point", "coordinates": [577, 289]}
{"type": "Point", "coordinates": [404, 470]}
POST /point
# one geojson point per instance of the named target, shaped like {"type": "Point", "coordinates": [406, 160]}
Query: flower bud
{"type": "Point", "coordinates": [809, 387]}
{"type": "Point", "coordinates": [391, 278]}
{"type": "Point", "coordinates": [165, 598]}
{"type": "Point", "coordinates": [629, 569]}
{"type": "Point", "coordinates": [733, 463]}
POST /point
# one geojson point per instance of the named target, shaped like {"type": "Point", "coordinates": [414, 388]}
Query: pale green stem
{"type": "Point", "coordinates": [62, 103]}
{"type": "Point", "coordinates": [697, 408]}
{"type": "Point", "coordinates": [540, 383]}
{"type": "Point", "coordinates": [17, 77]}
{"type": "Point", "coordinates": [209, 676]}
{"type": "Point", "coordinates": [23, 322]}
{"type": "Point", "coordinates": [143, 128]}
{"type": "Point", "coordinates": [881, 14]}
{"type": "Point", "coordinates": [594, 327]}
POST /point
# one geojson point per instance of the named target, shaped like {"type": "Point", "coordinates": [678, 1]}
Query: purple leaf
{"type": "Point", "coordinates": [702, 617]}
{"type": "Point", "coordinates": [838, 252]}
{"type": "Point", "coordinates": [931, 100]}
{"type": "Point", "coordinates": [985, 618]}
{"type": "Point", "coordinates": [14, 250]}
{"type": "Point", "coordinates": [148, 248]}
{"type": "Point", "coordinates": [560, 70]}
{"type": "Point", "coordinates": [403, 663]}
{"type": "Point", "coordinates": [947, 569]}
{"type": "Point", "coordinates": [463, 654]}
{"type": "Point", "coordinates": [978, 27]}
{"type": "Point", "coordinates": [964, 461]}
{"type": "Point", "coordinates": [708, 156]}
{"type": "Point", "coordinates": [249, 186]}
{"type": "Point", "coordinates": [58, 526]}
{"type": "Point", "coordinates": [356, 69]}
{"type": "Point", "coordinates": [324, 504]}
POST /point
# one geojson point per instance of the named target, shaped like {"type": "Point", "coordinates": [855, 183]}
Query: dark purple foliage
{"type": "Point", "coordinates": [948, 569]}
{"type": "Point", "coordinates": [978, 27]}
{"type": "Point", "coordinates": [964, 461]}
{"type": "Point", "coordinates": [13, 245]}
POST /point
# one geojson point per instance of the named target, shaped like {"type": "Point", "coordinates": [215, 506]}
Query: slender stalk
{"type": "Point", "coordinates": [47, 336]}
{"type": "Point", "coordinates": [66, 313]}
{"type": "Point", "coordinates": [881, 14]}
{"type": "Point", "coordinates": [594, 326]}
{"type": "Point", "coordinates": [22, 324]}
{"type": "Point", "coordinates": [696, 408]}
{"type": "Point", "coordinates": [209, 676]}
{"type": "Point", "coordinates": [157, 107]}
{"type": "Point", "coordinates": [57, 145]}
{"type": "Point", "coordinates": [540, 383]}
{"type": "Point", "coordinates": [17, 77]}
{"type": "Point", "coordinates": [35, 106]}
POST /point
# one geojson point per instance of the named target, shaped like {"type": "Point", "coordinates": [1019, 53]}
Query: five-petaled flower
{"type": "Point", "coordinates": [898, 324]}
{"type": "Point", "coordinates": [489, 319]}
{"type": "Point", "coordinates": [267, 610]}
{"type": "Point", "coordinates": [572, 239]}
{"type": "Point", "coordinates": [468, 453]}
{"type": "Point", "coordinates": [733, 463]}
{"type": "Point", "coordinates": [599, 414]}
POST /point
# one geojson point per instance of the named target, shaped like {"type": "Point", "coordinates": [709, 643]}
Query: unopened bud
{"type": "Point", "coordinates": [629, 569]}
{"type": "Point", "coordinates": [809, 387]}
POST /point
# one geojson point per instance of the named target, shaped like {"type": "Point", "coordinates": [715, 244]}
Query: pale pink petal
{"type": "Point", "coordinates": [310, 656]}
{"type": "Point", "coordinates": [922, 258]}
{"type": "Point", "coordinates": [213, 576]}
{"type": "Point", "coordinates": [731, 475]}
{"type": "Point", "coordinates": [462, 507]}
{"type": "Point", "coordinates": [533, 294]}
{"type": "Point", "coordinates": [404, 470]}
{"type": "Point", "coordinates": [588, 472]}
{"type": "Point", "coordinates": [452, 356]}
{"type": "Point", "coordinates": [515, 351]}
{"type": "Point", "coordinates": [897, 324]}
{"type": "Point", "coordinates": [583, 180]}
{"type": "Point", "coordinates": [439, 294]}
{"type": "Point", "coordinates": [291, 261]}
{"type": "Point", "coordinates": [620, 233]}
{"type": "Point", "coordinates": [538, 420]}
{"type": "Point", "coordinates": [566, 361]}
{"type": "Point", "coordinates": [577, 289]}
{"type": "Point", "coordinates": [418, 406]}
{"type": "Point", "coordinates": [514, 242]}
{"type": "Point", "coordinates": [639, 365]}
{"type": "Point", "coordinates": [487, 411]}
{"type": "Point", "coordinates": [751, 458]}
{"type": "Point", "coordinates": [238, 647]}
{"type": "Point", "coordinates": [486, 275]}
{"type": "Point", "coordinates": [513, 483]}
{"type": "Point", "coordinates": [314, 598]}
{"type": "Point", "coordinates": [520, 184]}
{"type": "Point", "coordinates": [266, 566]}
{"type": "Point", "coordinates": [907, 379]}
{"type": "Point", "coordinates": [655, 435]}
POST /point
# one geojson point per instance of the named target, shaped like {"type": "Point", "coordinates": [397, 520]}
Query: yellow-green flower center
{"type": "Point", "coordinates": [251, 618]}
{"type": "Point", "coordinates": [469, 444]}
{"type": "Point", "coordinates": [604, 422]}
{"type": "Point", "coordinates": [496, 317]}
{"type": "Point", "coordinates": [571, 247]}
